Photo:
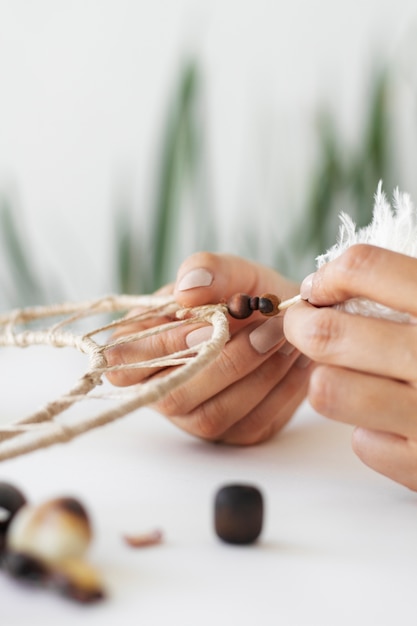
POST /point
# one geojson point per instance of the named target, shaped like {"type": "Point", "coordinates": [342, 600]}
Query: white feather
{"type": "Point", "coordinates": [393, 228]}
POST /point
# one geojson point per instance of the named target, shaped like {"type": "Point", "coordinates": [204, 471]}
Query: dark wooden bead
{"type": "Point", "coordinates": [239, 306]}
{"type": "Point", "coordinates": [268, 304]}
{"type": "Point", "coordinates": [238, 513]}
{"type": "Point", "coordinates": [254, 303]}
{"type": "Point", "coordinates": [11, 500]}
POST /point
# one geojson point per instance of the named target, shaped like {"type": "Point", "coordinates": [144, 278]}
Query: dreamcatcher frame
{"type": "Point", "coordinates": [41, 429]}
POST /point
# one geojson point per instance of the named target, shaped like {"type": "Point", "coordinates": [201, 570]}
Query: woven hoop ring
{"type": "Point", "coordinates": [21, 328]}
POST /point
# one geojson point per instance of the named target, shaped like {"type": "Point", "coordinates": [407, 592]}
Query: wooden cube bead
{"type": "Point", "coordinates": [238, 513]}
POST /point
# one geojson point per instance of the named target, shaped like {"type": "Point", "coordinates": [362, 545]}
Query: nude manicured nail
{"type": "Point", "coordinates": [198, 336]}
{"type": "Point", "coordinates": [286, 349]}
{"type": "Point", "coordinates": [303, 361]}
{"type": "Point", "coordinates": [267, 335]}
{"type": "Point", "coordinates": [198, 277]}
{"type": "Point", "coordinates": [306, 285]}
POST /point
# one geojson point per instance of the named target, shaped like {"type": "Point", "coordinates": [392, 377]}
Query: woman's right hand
{"type": "Point", "coordinates": [366, 372]}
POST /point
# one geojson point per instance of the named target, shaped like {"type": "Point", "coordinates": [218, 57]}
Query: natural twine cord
{"type": "Point", "coordinates": [41, 428]}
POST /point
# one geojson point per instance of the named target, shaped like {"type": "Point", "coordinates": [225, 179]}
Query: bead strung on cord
{"type": "Point", "coordinates": [241, 306]}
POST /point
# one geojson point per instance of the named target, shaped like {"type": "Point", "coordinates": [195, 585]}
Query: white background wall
{"type": "Point", "coordinates": [84, 86]}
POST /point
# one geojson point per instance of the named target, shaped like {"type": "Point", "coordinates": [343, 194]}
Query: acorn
{"type": "Point", "coordinates": [52, 531]}
{"type": "Point", "coordinates": [11, 500]}
{"type": "Point", "coordinates": [47, 544]}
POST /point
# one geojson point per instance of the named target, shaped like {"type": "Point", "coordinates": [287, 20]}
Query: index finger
{"type": "Point", "coordinates": [386, 277]}
{"type": "Point", "coordinates": [209, 278]}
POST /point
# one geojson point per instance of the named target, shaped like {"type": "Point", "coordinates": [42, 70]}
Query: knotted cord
{"type": "Point", "coordinates": [26, 327]}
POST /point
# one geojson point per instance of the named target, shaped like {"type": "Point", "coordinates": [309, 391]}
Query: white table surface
{"type": "Point", "coordinates": [339, 544]}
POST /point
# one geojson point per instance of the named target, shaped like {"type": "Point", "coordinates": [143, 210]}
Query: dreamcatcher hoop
{"type": "Point", "coordinates": [42, 428]}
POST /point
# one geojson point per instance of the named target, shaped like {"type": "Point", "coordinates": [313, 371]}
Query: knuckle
{"type": "Point", "coordinates": [207, 258]}
{"type": "Point", "coordinates": [173, 403]}
{"type": "Point", "coordinates": [199, 259]}
{"type": "Point", "coordinates": [410, 353]}
{"type": "Point", "coordinates": [114, 356]}
{"type": "Point", "coordinates": [324, 329]}
{"type": "Point", "coordinates": [118, 378]}
{"type": "Point", "coordinates": [230, 365]}
{"type": "Point", "coordinates": [358, 257]}
{"type": "Point", "coordinates": [322, 393]}
{"type": "Point", "coordinates": [256, 427]}
{"type": "Point", "coordinates": [209, 420]}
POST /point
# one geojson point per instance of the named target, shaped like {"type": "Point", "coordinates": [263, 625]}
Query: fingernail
{"type": "Point", "coordinates": [286, 349]}
{"type": "Point", "coordinates": [303, 361]}
{"type": "Point", "coordinates": [306, 285]}
{"type": "Point", "coordinates": [266, 336]}
{"type": "Point", "coordinates": [198, 336]}
{"type": "Point", "coordinates": [199, 277]}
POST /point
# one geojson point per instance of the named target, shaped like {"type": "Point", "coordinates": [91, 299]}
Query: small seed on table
{"type": "Point", "coordinates": [144, 540]}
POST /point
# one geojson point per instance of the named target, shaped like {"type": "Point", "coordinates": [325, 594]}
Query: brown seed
{"type": "Point", "coordinates": [268, 304]}
{"type": "Point", "coordinates": [239, 306]}
{"type": "Point", "coordinates": [152, 538]}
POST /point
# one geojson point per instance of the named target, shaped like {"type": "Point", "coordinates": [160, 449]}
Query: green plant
{"type": "Point", "coordinates": [342, 180]}
{"type": "Point", "coordinates": [180, 219]}
{"type": "Point", "coordinates": [21, 284]}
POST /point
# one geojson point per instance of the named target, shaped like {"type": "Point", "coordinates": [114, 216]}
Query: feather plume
{"type": "Point", "coordinates": [392, 227]}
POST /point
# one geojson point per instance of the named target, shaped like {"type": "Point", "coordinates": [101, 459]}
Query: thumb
{"type": "Point", "coordinates": [207, 278]}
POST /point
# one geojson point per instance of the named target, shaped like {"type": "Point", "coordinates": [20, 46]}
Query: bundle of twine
{"type": "Point", "coordinates": [28, 327]}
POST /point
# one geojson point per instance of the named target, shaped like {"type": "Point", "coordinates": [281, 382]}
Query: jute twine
{"type": "Point", "coordinates": [26, 327]}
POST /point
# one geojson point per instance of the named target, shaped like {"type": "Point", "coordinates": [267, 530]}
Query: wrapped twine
{"type": "Point", "coordinates": [43, 428]}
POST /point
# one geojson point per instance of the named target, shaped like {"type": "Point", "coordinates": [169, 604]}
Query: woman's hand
{"type": "Point", "coordinates": [367, 372]}
{"type": "Point", "coordinates": [254, 386]}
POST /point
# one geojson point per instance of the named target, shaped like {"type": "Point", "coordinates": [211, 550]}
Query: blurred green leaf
{"type": "Point", "coordinates": [180, 168]}
{"type": "Point", "coordinates": [24, 285]}
{"type": "Point", "coordinates": [341, 174]}
{"type": "Point", "coordinates": [180, 210]}
{"type": "Point", "coordinates": [180, 220]}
